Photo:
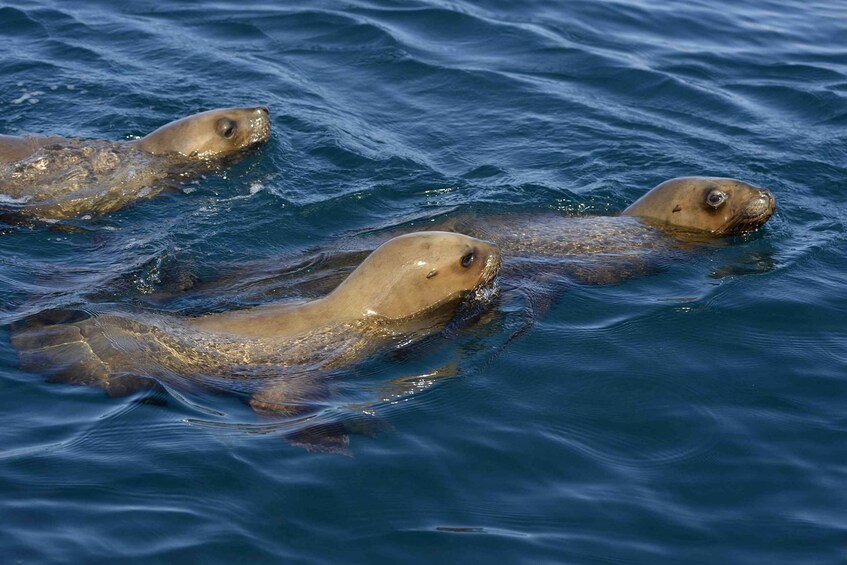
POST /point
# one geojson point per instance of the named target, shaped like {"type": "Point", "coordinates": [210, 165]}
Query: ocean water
{"type": "Point", "coordinates": [695, 415]}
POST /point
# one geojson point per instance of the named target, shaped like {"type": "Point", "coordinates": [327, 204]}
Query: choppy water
{"type": "Point", "coordinates": [693, 416]}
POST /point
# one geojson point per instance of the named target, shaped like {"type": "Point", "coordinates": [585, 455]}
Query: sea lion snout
{"type": "Point", "coordinates": [492, 263]}
{"type": "Point", "coordinates": [764, 204]}
{"type": "Point", "coordinates": [758, 210]}
{"type": "Point", "coordinates": [260, 125]}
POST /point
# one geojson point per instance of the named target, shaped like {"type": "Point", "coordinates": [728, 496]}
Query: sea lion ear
{"type": "Point", "coordinates": [432, 273]}
{"type": "Point", "coordinates": [676, 209]}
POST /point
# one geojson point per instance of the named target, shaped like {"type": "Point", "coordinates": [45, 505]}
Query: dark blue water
{"type": "Point", "coordinates": [693, 416]}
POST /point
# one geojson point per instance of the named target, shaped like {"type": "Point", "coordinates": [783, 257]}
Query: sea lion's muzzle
{"type": "Point", "coordinates": [761, 208]}
{"type": "Point", "coordinates": [753, 215]}
{"type": "Point", "coordinates": [764, 205]}
{"type": "Point", "coordinates": [260, 126]}
{"type": "Point", "coordinates": [492, 266]}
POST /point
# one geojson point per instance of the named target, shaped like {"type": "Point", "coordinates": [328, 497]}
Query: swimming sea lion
{"type": "Point", "coordinates": [677, 212]}
{"type": "Point", "coordinates": [408, 288]}
{"type": "Point", "coordinates": [670, 221]}
{"type": "Point", "coordinates": [55, 178]}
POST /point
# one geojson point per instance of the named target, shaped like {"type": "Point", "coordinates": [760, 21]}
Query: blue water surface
{"type": "Point", "coordinates": [692, 416]}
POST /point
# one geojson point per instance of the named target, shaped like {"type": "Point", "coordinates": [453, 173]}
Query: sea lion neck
{"type": "Point", "coordinates": [414, 277]}
{"type": "Point", "coordinates": [14, 148]}
{"type": "Point", "coordinates": [279, 320]}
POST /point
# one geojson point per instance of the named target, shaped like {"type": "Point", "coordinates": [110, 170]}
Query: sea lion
{"type": "Point", "coordinates": [535, 245]}
{"type": "Point", "coordinates": [674, 215]}
{"type": "Point", "coordinates": [55, 178]}
{"type": "Point", "coordinates": [408, 288]}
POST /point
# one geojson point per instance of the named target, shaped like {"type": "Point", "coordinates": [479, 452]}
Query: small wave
{"type": "Point", "coordinates": [29, 97]}
{"type": "Point", "coordinates": [636, 422]}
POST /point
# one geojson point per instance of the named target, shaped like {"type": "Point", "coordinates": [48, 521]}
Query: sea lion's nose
{"type": "Point", "coordinates": [763, 205]}
{"type": "Point", "coordinates": [768, 198]}
{"type": "Point", "coordinates": [264, 110]}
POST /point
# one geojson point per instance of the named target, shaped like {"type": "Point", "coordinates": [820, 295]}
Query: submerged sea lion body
{"type": "Point", "coordinates": [56, 178]}
{"type": "Point", "coordinates": [537, 247]}
{"type": "Point", "coordinates": [668, 220]}
{"type": "Point", "coordinates": [595, 250]}
{"type": "Point", "coordinates": [408, 288]}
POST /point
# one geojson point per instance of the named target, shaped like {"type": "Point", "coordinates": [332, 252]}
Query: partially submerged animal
{"type": "Point", "coordinates": [276, 354]}
{"type": "Point", "coordinates": [672, 220]}
{"type": "Point", "coordinates": [55, 178]}
{"type": "Point", "coordinates": [669, 219]}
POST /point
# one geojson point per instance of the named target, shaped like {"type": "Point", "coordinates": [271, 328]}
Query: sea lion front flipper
{"type": "Point", "coordinates": [296, 397]}
{"type": "Point", "coordinates": [407, 385]}
{"type": "Point", "coordinates": [329, 437]}
{"type": "Point", "coordinates": [289, 397]}
{"type": "Point", "coordinates": [611, 270]}
{"type": "Point", "coordinates": [128, 385]}
{"type": "Point", "coordinates": [334, 436]}
{"type": "Point", "coordinates": [299, 397]}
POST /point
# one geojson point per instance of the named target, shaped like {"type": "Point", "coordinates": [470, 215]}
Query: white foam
{"type": "Point", "coordinates": [28, 97]}
{"type": "Point", "coordinates": [6, 199]}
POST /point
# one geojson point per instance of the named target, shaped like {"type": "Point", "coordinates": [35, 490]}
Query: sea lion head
{"type": "Point", "coordinates": [417, 273]}
{"type": "Point", "coordinates": [210, 135]}
{"type": "Point", "coordinates": [719, 206]}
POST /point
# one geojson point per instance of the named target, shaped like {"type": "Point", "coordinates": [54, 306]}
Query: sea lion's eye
{"type": "Point", "coordinates": [226, 128]}
{"type": "Point", "coordinates": [467, 260]}
{"type": "Point", "coordinates": [716, 198]}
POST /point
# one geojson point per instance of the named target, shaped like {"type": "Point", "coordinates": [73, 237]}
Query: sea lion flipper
{"type": "Point", "coordinates": [52, 344]}
{"type": "Point", "coordinates": [128, 385]}
{"type": "Point", "coordinates": [289, 397]}
{"type": "Point", "coordinates": [296, 397]}
{"type": "Point", "coordinates": [330, 437]}
{"type": "Point", "coordinates": [334, 436]}
{"type": "Point", "coordinates": [612, 270]}
{"type": "Point", "coordinates": [407, 385]}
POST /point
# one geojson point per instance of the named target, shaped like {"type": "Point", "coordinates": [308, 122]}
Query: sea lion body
{"type": "Point", "coordinates": [587, 249]}
{"type": "Point", "coordinates": [56, 178]}
{"type": "Point", "coordinates": [409, 287]}
{"type": "Point", "coordinates": [542, 245]}
{"type": "Point", "coordinates": [607, 249]}
{"type": "Point", "coordinates": [668, 221]}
